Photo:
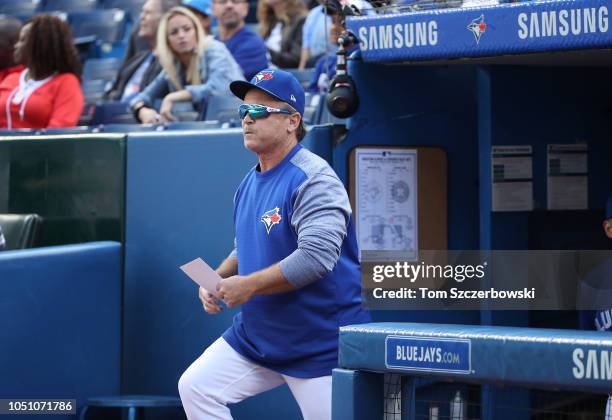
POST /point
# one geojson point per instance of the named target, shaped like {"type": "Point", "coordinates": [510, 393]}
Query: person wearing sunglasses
{"type": "Point", "coordinates": [294, 269]}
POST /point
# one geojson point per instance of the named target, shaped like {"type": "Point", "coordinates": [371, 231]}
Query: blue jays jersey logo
{"type": "Point", "coordinates": [478, 27]}
{"type": "Point", "coordinates": [271, 218]}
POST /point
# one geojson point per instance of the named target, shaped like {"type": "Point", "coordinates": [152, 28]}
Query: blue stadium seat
{"type": "Point", "coordinates": [131, 6]}
{"type": "Point", "coordinates": [107, 25]}
{"type": "Point", "coordinates": [101, 69]}
{"type": "Point", "coordinates": [312, 108]}
{"type": "Point", "coordinates": [21, 7]}
{"type": "Point", "coordinates": [70, 5]}
{"type": "Point", "coordinates": [93, 90]}
{"type": "Point", "coordinates": [303, 76]}
{"type": "Point", "coordinates": [112, 112]}
{"type": "Point", "coordinates": [222, 108]}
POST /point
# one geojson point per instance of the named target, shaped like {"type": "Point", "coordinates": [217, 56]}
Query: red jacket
{"type": "Point", "coordinates": [10, 70]}
{"type": "Point", "coordinates": [57, 103]}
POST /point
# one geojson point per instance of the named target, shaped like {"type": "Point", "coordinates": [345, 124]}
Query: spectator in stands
{"type": "Point", "coordinates": [315, 39]}
{"type": "Point", "coordinates": [9, 33]}
{"type": "Point", "coordinates": [281, 23]}
{"type": "Point", "coordinates": [2, 240]}
{"type": "Point", "coordinates": [246, 46]}
{"type": "Point", "coordinates": [195, 67]}
{"type": "Point", "coordinates": [140, 69]}
{"type": "Point", "coordinates": [202, 9]}
{"type": "Point", "coordinates": [325, 69]}
{"type": "Point", "coordinates": [47, 93]}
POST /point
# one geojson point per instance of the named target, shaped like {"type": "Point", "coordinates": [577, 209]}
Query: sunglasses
{"type": "Point", "coordinates": [257, 111]}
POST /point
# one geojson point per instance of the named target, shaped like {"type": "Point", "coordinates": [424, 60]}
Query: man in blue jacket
{"type": "Point", "coordinates": [246, 46]}
{"type": "Point", "coordinates": [294, 270]}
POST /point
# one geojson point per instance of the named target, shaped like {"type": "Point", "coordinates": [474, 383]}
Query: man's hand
{"type": "Point", "coordinates": [211, 304]}
{"type": "Point", "coordinates": [235, 290]}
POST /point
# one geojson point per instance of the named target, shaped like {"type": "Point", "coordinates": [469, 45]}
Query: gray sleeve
{"type": "Point", "coordinates": [321, 213]}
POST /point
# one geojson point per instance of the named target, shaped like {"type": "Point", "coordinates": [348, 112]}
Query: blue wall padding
{"type": "Point", "coordinates": [60, 321]}
{"type": "Point", "coordinates": [356, 395]}
{"type": "Point", "coordinates": [179, 206]}
{"type": "Point", "coordinates": [541, 358]}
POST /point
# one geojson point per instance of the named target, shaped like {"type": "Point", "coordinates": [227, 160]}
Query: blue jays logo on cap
{"type": "Point", "coordinates": [263, 76]}
{"type": "Point", "coordinates": [277, 83]}
{"type": "Point", "coordinates": [271, 218]}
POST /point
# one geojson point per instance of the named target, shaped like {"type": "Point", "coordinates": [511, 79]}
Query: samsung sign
{"type": "Point", "coordinates": [407, 35]}
{"type": "Point", "coordinates": [504, 29]}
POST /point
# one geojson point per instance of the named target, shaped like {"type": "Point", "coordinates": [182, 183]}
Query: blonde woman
{"type": "Point", "coordinates": [280, 25]}
{"type": "Point", "coordinates": [195, 67]}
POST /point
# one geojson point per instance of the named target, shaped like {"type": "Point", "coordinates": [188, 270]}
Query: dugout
{"type": "Point", "coordinates": [167, 196]}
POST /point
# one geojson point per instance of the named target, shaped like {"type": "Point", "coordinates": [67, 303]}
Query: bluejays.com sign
{"type": "Point", "coordinates": [428, 355]}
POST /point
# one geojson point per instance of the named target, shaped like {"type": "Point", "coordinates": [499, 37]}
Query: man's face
{"type": "Point", "coordinates": [230, 13]}
{"type": "Point", "coordinates": [150, 16]}
{"type": "Point", "coordinates": [607, 225]}
{"type": "Point", "coordinates": [264, 135]}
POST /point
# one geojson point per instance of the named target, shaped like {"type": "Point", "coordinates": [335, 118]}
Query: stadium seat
{"type": "Point", "coordinates": [107, 25]}
{"type": "Point", "coordinates": [184, 111]}
{"type": "Point", "coordinates": [21, 7]}
{"type": "Point", "coordinates": [312, 108]}
{"type": "Point", "coordinates": [133, 7]}
{"type": "Point", "coordinates": [70, 5]}
{"type": "Point", "coordinates": [20, 230]}
{"type": "Point", "coordinates": [101, 69]}
{"type": "Point", "coordinates": [93, 90]}
{"type": "Point", "coordinates": [222, 108]}
{"type": "Point", "coordinates": [112, 112]}
{"type": "Point", "coordinates": [303, 76]}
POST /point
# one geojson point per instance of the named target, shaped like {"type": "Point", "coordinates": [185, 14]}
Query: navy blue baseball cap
{"type": "Point", "coordinates": [279, 84]}
{"type": "Point", "coordinates": [609, 207]}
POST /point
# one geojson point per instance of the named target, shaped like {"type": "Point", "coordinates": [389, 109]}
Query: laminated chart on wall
{"type": "Point", "coordinates": [386, 204]}
{"type": "Point", "coordinates": [512, 28]}
{"type": "Point", "coordinates": [512, 175]}
{"type": "Point", "coordinates": [567, 186]}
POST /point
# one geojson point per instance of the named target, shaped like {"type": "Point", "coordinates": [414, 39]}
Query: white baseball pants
{"type": "Point", "coordinates": [222, 376]}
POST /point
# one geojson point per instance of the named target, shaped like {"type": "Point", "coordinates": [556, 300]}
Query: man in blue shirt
{"type": "Point", "coordinates": [246, 46]}
{"type": "Point", "coordinates": [294, 269]}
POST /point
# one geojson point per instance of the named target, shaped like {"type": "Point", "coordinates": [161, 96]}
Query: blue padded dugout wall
{"type": "Point", "coordinates": [60, 321]}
